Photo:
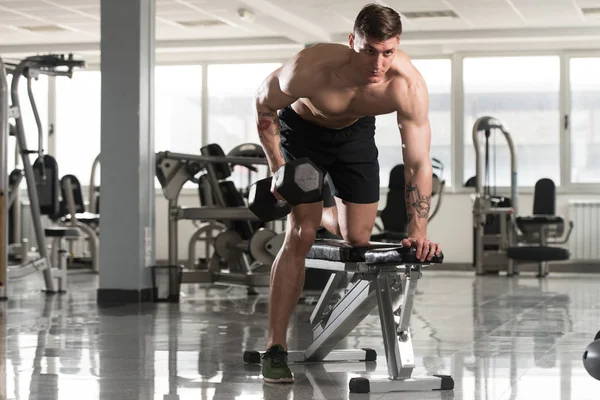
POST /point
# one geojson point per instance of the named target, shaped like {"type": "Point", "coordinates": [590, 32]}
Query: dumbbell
{"type": "Point", "coordinates": [298, 181]}
{"type": "Point", "coordinates": [591, 358]}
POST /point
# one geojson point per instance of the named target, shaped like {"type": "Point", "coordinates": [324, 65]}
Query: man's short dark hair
{"type": "Point", "coordinates": [378, 22]}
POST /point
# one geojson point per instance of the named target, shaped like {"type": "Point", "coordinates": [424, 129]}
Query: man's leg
{"type": "Point", "coordinates": [287, 281]}
{"type": "Point", "coordinates": [355, 221]}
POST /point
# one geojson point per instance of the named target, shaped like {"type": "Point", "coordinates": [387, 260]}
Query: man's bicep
{"type": "Point", "coordinates": [416, 140]}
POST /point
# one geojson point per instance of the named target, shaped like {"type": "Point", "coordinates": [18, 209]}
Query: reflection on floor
{"type": "Point", "coordinates": [499, 338]}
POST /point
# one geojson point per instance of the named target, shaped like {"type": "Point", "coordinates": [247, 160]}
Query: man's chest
{"type": "Point", "coordinates": [340, 102]}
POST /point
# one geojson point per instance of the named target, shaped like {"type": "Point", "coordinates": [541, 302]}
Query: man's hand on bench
{"type": "Point", "coordinates": [426, 249]}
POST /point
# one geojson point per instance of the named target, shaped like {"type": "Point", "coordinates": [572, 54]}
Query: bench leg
{"type": "Point", "coordinates": [398, 344]}
{"type": "Point", "coordinates": [330, 327]}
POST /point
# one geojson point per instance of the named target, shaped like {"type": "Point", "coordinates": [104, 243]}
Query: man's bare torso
{"type": "Point", "coordinates": [337, 100]}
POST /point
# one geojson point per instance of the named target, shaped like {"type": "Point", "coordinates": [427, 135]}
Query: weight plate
{"type": "Point", "coordinates": [226, 245]}
{"type": "Point", "coordinates": [275, 244]}
{"type": "Point", "coordinates": [258, 246]}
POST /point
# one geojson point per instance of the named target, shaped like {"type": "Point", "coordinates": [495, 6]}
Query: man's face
{"type": "Point", "coordinates": [374, 57]}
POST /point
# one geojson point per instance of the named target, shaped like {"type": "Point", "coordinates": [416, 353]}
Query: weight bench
{"type": "Point", "coordinates": [381, 275]}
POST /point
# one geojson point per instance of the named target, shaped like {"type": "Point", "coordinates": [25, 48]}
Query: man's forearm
{"type": "Point", "coordinates": [418, 198]}
{"type": "Point", "coordinates": [269, 133]}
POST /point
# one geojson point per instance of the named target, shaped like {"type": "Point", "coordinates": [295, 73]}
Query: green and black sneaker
{"type": "Point", "coordinates": [274, 366]}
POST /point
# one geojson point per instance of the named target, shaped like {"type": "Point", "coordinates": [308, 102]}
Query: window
{"type": "Point", "coordinates": [523, 93]}
{"type": "Point", "coordinates": [178, 108]}
{"type": "Point", "coordinates": [40, 93]}
{"type": "Point", "coordinates": [585, 120]}
{"type": "Point", "coordinates": [177, 113]}
{"type": "Point", "coordinates": [231, 119]}
{"type": "Point", "coordinates": [78, 124]}
{"type": "Point", "coordinates": [438, 76]}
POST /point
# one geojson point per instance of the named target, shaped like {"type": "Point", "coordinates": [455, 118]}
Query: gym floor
{"type": "Point", "coordinates": [499, 338]}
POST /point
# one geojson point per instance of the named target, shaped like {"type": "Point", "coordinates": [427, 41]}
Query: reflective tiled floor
{"type": "Point", "coordinates": [499, 338]}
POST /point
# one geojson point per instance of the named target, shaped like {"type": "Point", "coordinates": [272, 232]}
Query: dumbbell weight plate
{"type": "Point", "coordinates": [299, 181]}
{"type": "Point", "coordinates": [263, 204]}
{"type": "Point", "coordinates": [227, 245]}
{"type": "Point", "coordinates": [258, 246]}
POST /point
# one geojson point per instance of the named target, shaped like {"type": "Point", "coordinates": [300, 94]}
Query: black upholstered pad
{"type": "Point", "coordinates": [375, 253]}
{"type": "Point", "coordinates": [398, 255]}
{"type": "Point", "coordinates": [61, 232]}
{"type": "Point", "coordinates": [85, 217]}
{"type": "Point", "coordinates": [538, 221]}
{"type": "Point", "coordinates": [538, 253]}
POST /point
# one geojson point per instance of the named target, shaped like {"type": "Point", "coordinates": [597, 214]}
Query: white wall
{"type": "Point", "coordinates": [452, 226]}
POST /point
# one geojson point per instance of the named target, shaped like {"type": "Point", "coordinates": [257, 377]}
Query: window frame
{"type": "Point", "coordinates": [457, 109]}
{"type": "Point", "coordinates": [572, 187]}
{"type": "Point", "coordinates": [459, 106]}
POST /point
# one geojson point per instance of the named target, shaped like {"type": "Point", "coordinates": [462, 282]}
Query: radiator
{"type": "Point", "coordinates": [584, 242]}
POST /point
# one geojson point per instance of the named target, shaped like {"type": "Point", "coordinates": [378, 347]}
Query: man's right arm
{"type": "Point", "coordinates": [283, 87]}
{"type": "Point", "coordinates": [269, 99]}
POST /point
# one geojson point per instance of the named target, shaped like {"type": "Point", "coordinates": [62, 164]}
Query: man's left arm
{"type": "Point", "coordinates": [415, 132]}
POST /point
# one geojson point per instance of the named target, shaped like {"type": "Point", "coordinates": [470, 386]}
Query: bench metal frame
{"type": "Point", "coordinates": [389, 288]}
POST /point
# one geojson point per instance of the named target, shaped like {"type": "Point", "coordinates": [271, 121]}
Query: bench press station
{"type": "Point", "coordinates": [383, 276]}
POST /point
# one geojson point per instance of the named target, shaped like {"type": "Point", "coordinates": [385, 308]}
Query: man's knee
{"type": "Point", "coordinates": [301, 236]}
{"type": "Point", "coordinates": [357, 235]}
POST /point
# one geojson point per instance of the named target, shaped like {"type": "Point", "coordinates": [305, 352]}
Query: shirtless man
{"type": "Point", "coordinates": [322, 105]}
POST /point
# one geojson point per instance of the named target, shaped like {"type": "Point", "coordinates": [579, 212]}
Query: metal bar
{"type": "Point", "coordinates": [30, 176]}
{"type": "Point", "coordinates": [350, 311]}
{"type": "Point", "coordinates": [40, 264]}
{"type": "Point", "coordinates": [4, 132]}
{"type": "Point", "coordinates": [92, 186]}
{"type": "Point", "coordinates": [173, 233]}
{"type": "Point", "coordinates": [330, 288]}
{"type": "Point", "coordinates": [212, 159]}
{"type": "Point", "coordinates": [297, 356]}
{"type": "Point", "coordinates": [13, 190]}
{"type": "Point", "coordinates": [242, 279]}
{"type": "Point", "coordinates": [216, 213]}
{"type": "Point", "coordinates": [410, 290]}
{"type": "Point", "coordinates": [36, 116]}
{"type": "Point", "coordinates": [399, 365]}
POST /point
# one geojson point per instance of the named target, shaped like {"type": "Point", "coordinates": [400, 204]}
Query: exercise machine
{"type": "Point", "coordinates": [73, 214]}
{"type": "Point", "coordinates": [41, 176]}
{"type": "Point", "coordinates": [501, 237]}
{"type": "Point", "coordinates": [243, 247]}
{"type": "Point", "coordinates": [382, 276]}
{"type": "Point", "coordinates": [94, 190]}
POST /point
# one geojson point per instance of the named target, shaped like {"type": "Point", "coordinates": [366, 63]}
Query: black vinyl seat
{"type": "Point", "coordinates": [542, 230]}
{"type": "Point", "coordinates": [231, 195]}
{"type": "Point", "coordinates": [374, 253]}
{"type": "Point", "coordinates": [58, 231]}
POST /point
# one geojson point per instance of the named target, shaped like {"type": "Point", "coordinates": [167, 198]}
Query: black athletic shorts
{"type": "Point", "coordinates": [348, 156]}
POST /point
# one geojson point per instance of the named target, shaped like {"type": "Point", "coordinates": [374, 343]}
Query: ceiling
{"type": "Point", "coordinates": [37, 24]}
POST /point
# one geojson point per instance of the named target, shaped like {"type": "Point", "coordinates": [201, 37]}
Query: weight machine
{"type": "Point", "coordinates": [502, 238]}
{"type": "Point", "coordinates": [40, 176]}
{"type": "Point", "coordinates": [243, 254]}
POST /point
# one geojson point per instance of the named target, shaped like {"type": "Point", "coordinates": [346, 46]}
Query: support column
{"type": "Point", "coordinates": [127, 150]}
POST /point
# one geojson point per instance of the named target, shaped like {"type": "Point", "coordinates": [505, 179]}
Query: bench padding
{"type": "Point", "coordinates": [375, 253]}
{"type": "Point", "coordinates": [538, 253]}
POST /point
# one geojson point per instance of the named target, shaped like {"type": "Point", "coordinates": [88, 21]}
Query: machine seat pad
{"type": "Point", "coordinates": [540, 219]}
{"type": "Point", "coordinates": [85, 217]}
{"type": "Point", "coordinates": [374, 253]}
{"type": "Point", "coordinates": [61, 232]}
{"type": "Point", "coordinates": [538, 253]}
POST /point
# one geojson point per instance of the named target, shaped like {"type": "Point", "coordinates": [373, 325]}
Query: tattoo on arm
{"type": "Point", "coordinates": [269, 131]}
{"type": "Point", "coordinates": [266, 119]}
{"type": "Point", "coordinates": [419, 202]}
